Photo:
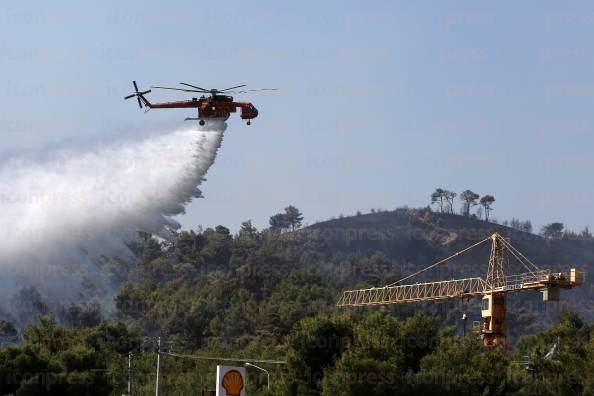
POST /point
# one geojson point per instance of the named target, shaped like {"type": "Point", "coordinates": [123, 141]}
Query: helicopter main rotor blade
{"type": "Point", "coordinates": [130, 96]}
{"type": "Point", "coordinates": [226, 89]}
{"type": "Point", "coordinates": [261, 89]}
{"type": "Point", "coordinates": [180, 89]}
{"type": "Point", "coordinates": [139, 103]}
{"type": "Point", "coordinates": [194, 86]}
{"type": "Point", "coordinates": [257, 90]}
{"type": "Point", "coordinates": [135, 86]}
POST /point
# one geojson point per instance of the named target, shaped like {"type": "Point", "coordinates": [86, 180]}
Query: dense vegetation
{"type": "Point", "coordinates": [271, 295]}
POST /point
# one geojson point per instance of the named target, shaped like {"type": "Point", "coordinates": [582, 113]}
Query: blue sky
{"type": "Point", "coordinates": [380, 102]}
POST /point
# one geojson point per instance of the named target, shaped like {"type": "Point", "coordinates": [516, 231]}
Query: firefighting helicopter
{"type": "Point", "coordinates": [219, 105]}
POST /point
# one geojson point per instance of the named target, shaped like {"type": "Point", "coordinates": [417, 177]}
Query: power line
{"type": "Point", "coordinates": [243, 360]}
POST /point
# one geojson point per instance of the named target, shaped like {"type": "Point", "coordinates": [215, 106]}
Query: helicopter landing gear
{"type": "Point", "coordinates": [249, 122]}
{"type": "Point", "coordinates": [201, 122]}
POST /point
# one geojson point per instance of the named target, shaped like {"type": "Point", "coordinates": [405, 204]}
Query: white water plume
{"type": "Point", "coordinates": [53, 209]}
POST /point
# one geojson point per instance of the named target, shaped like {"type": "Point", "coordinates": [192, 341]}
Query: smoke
{"type": "Point", "coordinates": [58, 212]}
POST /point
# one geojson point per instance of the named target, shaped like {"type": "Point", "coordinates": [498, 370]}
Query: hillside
{"type": "Point", "coordinates": [416, 235]}
{"type": "Point", "coordinates": [272, 295]}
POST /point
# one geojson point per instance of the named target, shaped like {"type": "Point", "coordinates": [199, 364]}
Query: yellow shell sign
{"type": "Point", "coordinates": [230, 381]}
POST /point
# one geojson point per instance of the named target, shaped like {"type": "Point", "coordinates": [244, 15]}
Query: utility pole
{"type": "Point", "coordinates": [158, 365]}
{"type": "Point", "coordinates": [129, 374]}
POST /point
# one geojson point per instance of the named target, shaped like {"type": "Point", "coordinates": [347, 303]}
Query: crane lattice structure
{"type": "Point", "coordinates": [493, 288]}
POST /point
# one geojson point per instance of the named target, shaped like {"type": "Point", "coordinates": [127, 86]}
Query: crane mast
{"type": "Point", "coordinates": [494, 302]}
{"type": "Point", "coordinates": [493, 288]}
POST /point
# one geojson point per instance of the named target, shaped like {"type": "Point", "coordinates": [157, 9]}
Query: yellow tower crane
{"type": "Point", "coordinates": [493, 288]}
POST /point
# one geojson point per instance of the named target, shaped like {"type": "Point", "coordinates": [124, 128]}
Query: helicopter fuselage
{"type": "Point", "coordinates": [216, 106]}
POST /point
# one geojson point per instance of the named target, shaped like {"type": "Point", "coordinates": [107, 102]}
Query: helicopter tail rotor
{"type": "Point", "coordinates": [138, 94]}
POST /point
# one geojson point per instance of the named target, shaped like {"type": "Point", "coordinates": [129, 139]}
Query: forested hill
{"type": "Point", "coordinates": [301, 268]}
{"type": "Point", "coordinates": [421, 236]}
{"type": "Point", "coordinates": [271, 294]}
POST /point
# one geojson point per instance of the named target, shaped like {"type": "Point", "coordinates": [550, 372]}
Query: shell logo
{"type": "Point", "coordinates": [233, 383]}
